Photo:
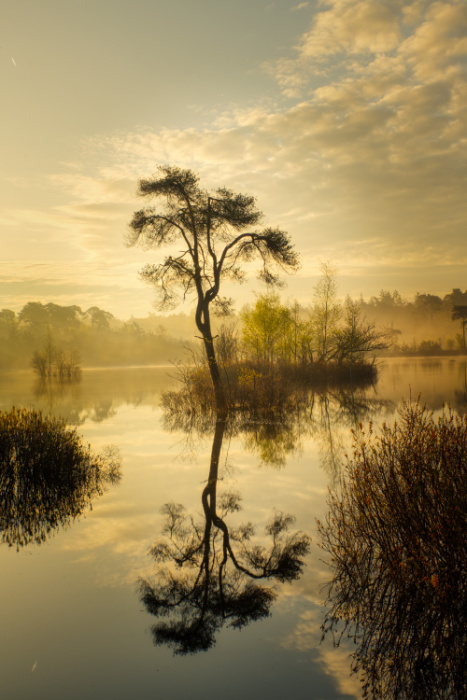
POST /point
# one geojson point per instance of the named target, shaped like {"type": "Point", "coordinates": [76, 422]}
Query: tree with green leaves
{"type": "Point", "coordinates": [211, 236]}
{"type": "Point", "coordinates": [268, 329]}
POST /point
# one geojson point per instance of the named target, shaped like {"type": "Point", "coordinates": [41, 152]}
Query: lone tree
{"type": "Point", "coordinates": [213, 231]}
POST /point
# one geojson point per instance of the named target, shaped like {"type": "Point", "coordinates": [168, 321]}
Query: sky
{"type": "Point", "coordinates": [347, 119]}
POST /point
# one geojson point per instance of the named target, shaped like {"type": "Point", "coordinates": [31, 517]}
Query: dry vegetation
{"type": "Point", "coordinates": [48, 477]}
{"type": "Point", "coordinates": [395, 533]}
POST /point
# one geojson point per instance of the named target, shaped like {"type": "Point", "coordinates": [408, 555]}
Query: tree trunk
{"type": "Point", "coordinates": [215, 374]}
{"type": "Point", "coordinates": [204, 326]}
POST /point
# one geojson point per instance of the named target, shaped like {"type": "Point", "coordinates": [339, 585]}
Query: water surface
{"type": "Point", "coordinates": [73, 624]}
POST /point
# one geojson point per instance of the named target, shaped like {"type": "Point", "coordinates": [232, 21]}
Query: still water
{"type": "Point", "coordinates": [74, 624]}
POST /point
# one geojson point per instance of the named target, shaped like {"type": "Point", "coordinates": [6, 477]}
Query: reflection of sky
{"type": "Point", "coordinates": [71, 609]}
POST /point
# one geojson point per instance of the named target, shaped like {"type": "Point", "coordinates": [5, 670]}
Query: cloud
{"type": "Point", "coordinates": [374, 150]}
{"type": "Point", "coordinates": [352, 27]}
{"type": "Point", "coordinates": [339, 166]}
{"type": "Point", "coordinates": [439, 42]}
{"type": "Point", "coordinates": [363, 161]}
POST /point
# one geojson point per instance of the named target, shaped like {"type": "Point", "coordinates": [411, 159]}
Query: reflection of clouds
{"type": "Point", "coordinates": [305, 636]}
{"type": "Point", "coordinates": [125, 533]}
{"type": "Point", "coordinates": [334, 661]}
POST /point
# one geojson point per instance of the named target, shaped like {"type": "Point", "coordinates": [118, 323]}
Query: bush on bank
{"type": "Point", "coordinates": [395, 534]}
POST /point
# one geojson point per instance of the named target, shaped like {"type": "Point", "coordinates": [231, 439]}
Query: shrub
{"type": "Point", "coordinates": [257, 387]}
{"type": "Point", "coordinates": [395, 532]}
{"type": "Point", "coordinates": [47, 475]}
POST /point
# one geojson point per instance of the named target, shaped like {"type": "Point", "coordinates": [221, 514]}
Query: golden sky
{"type": "Point", "coordinates": [347, 119]}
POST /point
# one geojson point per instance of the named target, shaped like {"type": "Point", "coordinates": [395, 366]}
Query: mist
{"type": "Point", "coordinates": [421, 326]}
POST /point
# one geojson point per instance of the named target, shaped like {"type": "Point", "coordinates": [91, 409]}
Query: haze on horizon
{"type": "Point", "coordinates": [346, 118]}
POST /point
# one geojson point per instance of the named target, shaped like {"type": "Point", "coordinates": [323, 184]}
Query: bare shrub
{"type": "Point", "coordinates": [395, 532]}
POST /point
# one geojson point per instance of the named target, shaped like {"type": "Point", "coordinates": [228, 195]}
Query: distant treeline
{"type": "Point", "coordinates": [95, 336]}
{"type": "Point", "coordinates": [328, 330]}
{"type": "Point", "coordinates": [422, 326]}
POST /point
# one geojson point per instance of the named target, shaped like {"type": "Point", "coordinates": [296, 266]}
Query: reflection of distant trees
{"type": "Point", "coordinates": [100, 393]}
{"type": "Point", "coordinates": [219, 571]}
{"type": "Point", "coordinates": [52, 392]}
{"type": "Point", "coordinates": [48, 477]}
{"type": "Point", "coordinates": [461, 394]}
{"type": "Point", "coordinates": [395, 533]}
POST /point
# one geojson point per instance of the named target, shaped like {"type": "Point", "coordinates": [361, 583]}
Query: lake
{"type": "Point", "coordinates": [74, 624]}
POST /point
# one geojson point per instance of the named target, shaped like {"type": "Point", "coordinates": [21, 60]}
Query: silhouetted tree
{"type": "Point", "coordinates": [428, 305]}
{"type": "Point", "coordinates": [54, 362]}
{"type": "Point", "coordinates": [204, 592]}
{"type": "Point", "coordinates": [358, 337]}
{"type": "Point", "coordinates": [99, 318]}
{"type": "Point", "coordinates": [212, 231]}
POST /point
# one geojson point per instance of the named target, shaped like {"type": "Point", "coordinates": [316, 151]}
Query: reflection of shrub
{"type": "Point", "coordinates": [47, 475]}
{"type": "Point", "coordinates": [396, 535]}
{"type": "Point", "coordinates": [255, 386]}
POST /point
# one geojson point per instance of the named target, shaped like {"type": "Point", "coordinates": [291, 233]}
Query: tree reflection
{"type": "Point", "coordinates": [67, 395]}
{"type": "Point", "coordinates": [334, 413]}
{"type": "Point", "coordinates": [218, 569]}
{"type": "Point", "coordinates": [326, 416]}
{"type": "Point", "coordinates": [395, 532]}
{"type": "Point", "coordinates": [48, 477]}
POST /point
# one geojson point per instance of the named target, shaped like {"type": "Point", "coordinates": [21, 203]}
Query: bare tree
{"type": "Point", "coordinates": [326, 312]}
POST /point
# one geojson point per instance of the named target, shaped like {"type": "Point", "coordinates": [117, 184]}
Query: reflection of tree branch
{"type": "Point", "coordinates": [207, 593]}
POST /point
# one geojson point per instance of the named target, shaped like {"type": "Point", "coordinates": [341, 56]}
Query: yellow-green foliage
{"type": "Point", "coordinates": [267, 329]}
